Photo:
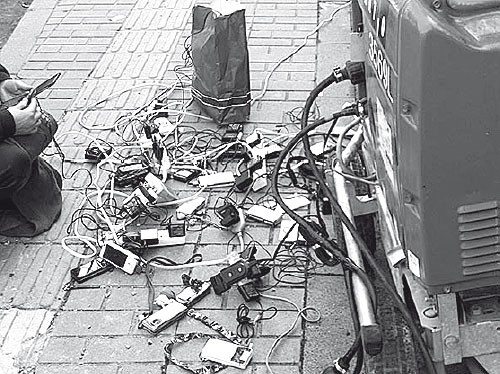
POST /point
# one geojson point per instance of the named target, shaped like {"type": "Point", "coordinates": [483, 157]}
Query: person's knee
{"type": "Point", "coordinates": [15, 168]}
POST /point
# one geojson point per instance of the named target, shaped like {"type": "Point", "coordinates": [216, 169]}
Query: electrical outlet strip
{"type": "Point", "coordinates": [161, 238]}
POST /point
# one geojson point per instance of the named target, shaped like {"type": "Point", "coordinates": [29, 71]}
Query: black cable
{"type": "Point", "coordinates": [246, 327]}
{"type": "Point", "coordinates": [163, 261]}
{"type": "Point", "coordinates": [367, 255]}
{"type": "Point", "coordinates": [324, 243]}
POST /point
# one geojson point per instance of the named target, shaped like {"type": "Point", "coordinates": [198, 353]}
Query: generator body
{"type": "Point", "coordinates": [433, 89]}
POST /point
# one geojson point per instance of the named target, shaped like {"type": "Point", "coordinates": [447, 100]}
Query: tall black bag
{"type": "Point", "coordinates": [221, 79]}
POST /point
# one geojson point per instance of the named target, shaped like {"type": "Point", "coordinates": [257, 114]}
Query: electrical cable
{"type": "Point", "coordinates": [301, 313]}
{"type": "Point", "coordinates": [324, 243]}
{"type": "Point", "coordinates": [296, 50]}
{"type": "Point", "coordinates": [357, 237]}
{"type": "Point", "coordinates": [166, 263]}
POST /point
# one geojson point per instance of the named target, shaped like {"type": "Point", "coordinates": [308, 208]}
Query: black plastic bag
{"type": "Point", "coordinates": [221, 79]}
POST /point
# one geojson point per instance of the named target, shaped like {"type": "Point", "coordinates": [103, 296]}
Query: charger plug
{"type": "Point", "coordinates": [96, 153]}
{"type": "Point", "coordinates": [248, 290]}
{"type": "Point", "coordinates": [243, 181]}
{"type": "Point", "coordinates": [228, 215]}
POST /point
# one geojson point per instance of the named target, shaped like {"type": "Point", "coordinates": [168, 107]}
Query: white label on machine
{"type": "Point", "coordinates": [385, 142]}
{"type": "Point", "coordinates": [414, 263]}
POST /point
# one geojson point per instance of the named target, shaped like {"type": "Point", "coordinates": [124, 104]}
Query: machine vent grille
{"type": "Point", "coordinates": [479, 227]}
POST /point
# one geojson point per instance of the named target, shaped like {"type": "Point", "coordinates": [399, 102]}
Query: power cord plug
{"type": "Point", "coordinates": [352, 71]}
{"type": "Point", "coordinates": [340, 366]}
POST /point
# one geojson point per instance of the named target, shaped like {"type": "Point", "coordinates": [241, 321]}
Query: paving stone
{"type": "Point", "coordinates": [76, 369]}
{"type": "Point", "coordinates": [125, 349]}
{"type": "Point", "coordinates": [82, 323]}
{"type": "Point", "coordinates": [126, 298]}
{"type": "Point", "coordinates": [286, 352]}
{"type": "Point", "coordinates": [85, 299]}
{"type": "Point", "coordinates": [63, 349]}
{"type": "Point", "coordinates": [328, 295]}
{"type": "Point", "coordinates": [277, 369]}
{"type": "Point", "coordinates": [143, 368]}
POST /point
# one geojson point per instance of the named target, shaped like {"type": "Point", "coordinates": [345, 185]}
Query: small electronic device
{"type": "Point", "coordinates": [291, 228]}
{"type": "Point", "coordinates": [91, 269]}
{"type": "Point", "coordinates": [43, 86]}
{"type": "Point", "coordinates": [296, 201]}
{"type": "Point", "coordinates": [119, 257]}
{"type": "Point", "coordinates": [171, 312]}
{"type": "Point", "coordinates": [130, 174]}
{"type": "Point", "coordinates": [224, 179]}
{"type": "Point", "coordinates": [32, 93]}
{"type": "Point", "coordinates": [248, 290]}
{"type": "Point", "coordinates": [266, 215]}
{"type": "Point", "coordinates": [227, 353]}
{"type": "Point", "coordinates": [134, 204]}
{"type": "Point", "coordinates": [243, 181]}
{"type": "Point", "coordinates": [185, 175]}
{"type": "Point", "coordinates": [174, 309]}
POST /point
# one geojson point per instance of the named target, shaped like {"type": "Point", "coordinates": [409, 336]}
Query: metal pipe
{"type": "Point", "coordinates": [370, 330]}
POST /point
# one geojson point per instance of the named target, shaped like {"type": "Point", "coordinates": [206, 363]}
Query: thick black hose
{"type": "Point", "coordinates": [357, 237]}
{"type": "Point", "coordinates": [299, 219]}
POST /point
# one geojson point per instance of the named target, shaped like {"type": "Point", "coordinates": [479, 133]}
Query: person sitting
{"type": "Point", "coordinates": [30, 188]}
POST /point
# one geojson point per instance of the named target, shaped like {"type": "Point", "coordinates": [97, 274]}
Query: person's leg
{"type": "Point", "coordinates": [35, 143]}
{"type": "Point", "coordinates": [29, 189]}
{"type": "Point", "coordinates": [18, 153]}
{"type": "Point", "coordinates": [15, 168]}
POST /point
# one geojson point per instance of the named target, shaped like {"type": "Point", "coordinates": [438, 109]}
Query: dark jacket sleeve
{"type": "Point", "coordinates": [4, 74]}
{"type": "Point", "coordinates": [7, 124]}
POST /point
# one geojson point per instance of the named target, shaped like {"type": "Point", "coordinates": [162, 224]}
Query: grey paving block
{"type": "Point", "coordinates": [329, 338]}
{"type": "Point", "coordinates": [125, 349]}
{"type": "Point", "coordinates": [85, 299]}
{"type": "Point", "coordinates": [63, 350]}
{"type": "Point", "coordinates": [76, 369]}
{"type": "Point", "coordinates": [87, 323]}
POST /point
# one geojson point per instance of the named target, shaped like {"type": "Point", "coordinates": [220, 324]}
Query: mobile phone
{"type": "Point", "coordinates": [119, 257]}
{"type": "Point", "coordinates": [42, 87]}
{"type": "Point", "coordinates": [95, 267]}
{"type": "Point", "coordinates": [33, 92]}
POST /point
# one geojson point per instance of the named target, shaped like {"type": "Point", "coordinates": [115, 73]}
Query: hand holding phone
{"type": "Point", "coordinates": [32, 93]}
{"type": "Point", "coordinates": [25, 116]}
{"type": "Point", "coordinates": [42, 87]}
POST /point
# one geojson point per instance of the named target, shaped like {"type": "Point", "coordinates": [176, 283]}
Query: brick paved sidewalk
{"type": "Point", "coordinates": [102, 47]}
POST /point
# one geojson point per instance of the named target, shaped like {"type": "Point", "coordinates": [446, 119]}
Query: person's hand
{"type": "Point", "coordinates": [26, 116]}
{"type": "Point", "coordinates": [12, 88]}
